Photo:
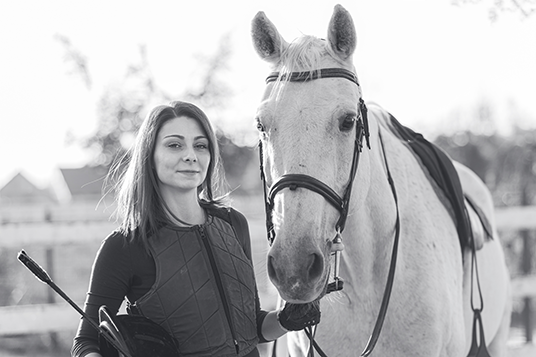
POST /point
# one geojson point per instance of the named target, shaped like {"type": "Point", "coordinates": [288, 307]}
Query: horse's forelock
{"type": "Point", "coordinates": [304, 54]}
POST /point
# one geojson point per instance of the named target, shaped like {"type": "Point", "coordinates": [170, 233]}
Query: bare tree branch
{"type": "Point", "coordinates": [74, 58]}
{"type": "Point", "coordinates": [497, 7]}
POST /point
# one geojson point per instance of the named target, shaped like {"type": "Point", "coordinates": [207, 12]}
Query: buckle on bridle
{"type": "Point", "coordinates": [336, 247]}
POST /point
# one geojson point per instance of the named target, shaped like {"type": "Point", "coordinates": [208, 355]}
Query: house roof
{"type": "Point", "coordinates": [86, 180]}
{"type": "Point", "coordinates": [20, 189]}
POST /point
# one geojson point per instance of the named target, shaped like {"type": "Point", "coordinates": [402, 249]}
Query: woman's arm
{"type": "Point", "coordinates": [110, 281]}
{"type": "Point", "coordinates": [271, 328]}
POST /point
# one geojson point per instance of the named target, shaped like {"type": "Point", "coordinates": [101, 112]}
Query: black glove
{"type": "Point", "coordinates": [296, 317]}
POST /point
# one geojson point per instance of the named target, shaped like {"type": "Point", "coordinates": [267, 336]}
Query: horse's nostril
{"type": "Point", "coordinates": [316, 266]}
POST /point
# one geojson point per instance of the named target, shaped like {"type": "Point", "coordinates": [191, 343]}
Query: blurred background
{"type": "Point", "coordinates": [77, 78]}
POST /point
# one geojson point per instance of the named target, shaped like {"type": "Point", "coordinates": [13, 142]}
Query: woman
{"type": "Point", "coordinates": [180, 257]}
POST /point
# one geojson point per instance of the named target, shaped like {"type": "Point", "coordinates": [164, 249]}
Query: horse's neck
{"type": "Point", "coordinates": [368, 239]}
{"type": "Point", "coordinates": [423, 283]}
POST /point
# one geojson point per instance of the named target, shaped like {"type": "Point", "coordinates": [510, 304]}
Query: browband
{"type": "Point", "coordinates": [309, 76]}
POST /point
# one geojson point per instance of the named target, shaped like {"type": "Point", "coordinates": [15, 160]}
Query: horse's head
{"type": "Point", "coordinates": [308, 131]}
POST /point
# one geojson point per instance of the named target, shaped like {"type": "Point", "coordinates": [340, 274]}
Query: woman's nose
{"type": "Point", "coordinates": [190, 155]}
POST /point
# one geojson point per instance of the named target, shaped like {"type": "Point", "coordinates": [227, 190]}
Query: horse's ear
{"type": "Point", "coordinates": [341, 33]}
{"type": "Point", "coordinates": [266, 39]}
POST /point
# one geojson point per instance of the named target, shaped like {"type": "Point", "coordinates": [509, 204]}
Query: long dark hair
{"type": "Point", "coordinates": [140, 208]}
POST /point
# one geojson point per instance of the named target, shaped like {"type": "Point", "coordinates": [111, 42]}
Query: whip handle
{"type": "Point", "coordinates": [35, 268]}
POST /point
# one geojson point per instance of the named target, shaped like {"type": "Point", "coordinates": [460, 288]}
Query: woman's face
{"type": "Point", "coordinates": [181, 155]}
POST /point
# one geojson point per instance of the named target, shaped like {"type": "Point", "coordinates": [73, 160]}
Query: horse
{"type": "Point", "coordinates": [339, 182]}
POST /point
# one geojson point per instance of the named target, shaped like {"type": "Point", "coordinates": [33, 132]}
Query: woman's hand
{"type": "Point", "coordinates": [296, 317]}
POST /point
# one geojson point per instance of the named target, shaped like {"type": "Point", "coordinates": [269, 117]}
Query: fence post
{"type": "Point", "coordinates": [526, 260]}
{"type": "Point", "coordinates": [51, 298]}
{"type": "Point", "coordinates": [526, 265]}
{"type": "Point", "coordinates": [54, 340]}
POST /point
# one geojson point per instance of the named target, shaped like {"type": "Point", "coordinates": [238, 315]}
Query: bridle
{"type": "Point", "coordinates": [293, 181]}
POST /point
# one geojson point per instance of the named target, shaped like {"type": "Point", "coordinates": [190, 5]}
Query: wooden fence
{"type": "Point", "coordinates": [59, 227]}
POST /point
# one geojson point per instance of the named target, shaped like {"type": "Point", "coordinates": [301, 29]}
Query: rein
{"type": "Point", "coordinates": [293, 181]}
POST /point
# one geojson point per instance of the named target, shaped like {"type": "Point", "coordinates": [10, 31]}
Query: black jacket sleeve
{"type": "Point", "coordinates": [120, 270]}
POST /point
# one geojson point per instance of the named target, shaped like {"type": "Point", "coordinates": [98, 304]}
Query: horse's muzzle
{"type": "Point", "coordinates": [299, 279]}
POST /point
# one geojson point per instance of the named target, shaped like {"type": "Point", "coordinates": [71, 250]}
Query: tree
{"type": "Point", "coordinates": [75, 59]}
{"type": "Point", "coordinates": [525, 8]}
{"type": "Point", "coordinates": [506, 164]}
{"type": "Point", "coordinates": [122, 107]}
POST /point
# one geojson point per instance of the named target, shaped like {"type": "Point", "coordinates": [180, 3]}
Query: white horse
{"type": "Point", "coordinates": [308, 128]}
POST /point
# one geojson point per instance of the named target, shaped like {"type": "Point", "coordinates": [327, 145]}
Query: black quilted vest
{"type": "Point", "coordinates": [204, 293]}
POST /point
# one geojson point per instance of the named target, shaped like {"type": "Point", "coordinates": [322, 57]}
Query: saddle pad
{"type": "Point", "coordinates": [442, 170]}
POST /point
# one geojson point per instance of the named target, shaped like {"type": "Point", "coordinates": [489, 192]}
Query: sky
{"type": "Point", "coordinates": [431, 64]}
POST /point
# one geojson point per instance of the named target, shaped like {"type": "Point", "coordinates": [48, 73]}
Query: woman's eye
{"type": "Point", "coordinates": [174, 145]}
{"type": "Point", "coordinates": [202, 146]}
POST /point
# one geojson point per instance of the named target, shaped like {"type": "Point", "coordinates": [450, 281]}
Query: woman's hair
{"type": "Point", "coordinates": [140, 207]}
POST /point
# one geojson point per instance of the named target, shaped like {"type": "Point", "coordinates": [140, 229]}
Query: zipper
{"type": "Point", "coordinates": [219, 283]}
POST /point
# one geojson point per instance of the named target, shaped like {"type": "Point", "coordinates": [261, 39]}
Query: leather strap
{"type": "Point", "coordinates": [392, 267]}
{"type": "Point", "coordinates": [292, 181]}
{"type": "Point", "coordinates": [309, 76]}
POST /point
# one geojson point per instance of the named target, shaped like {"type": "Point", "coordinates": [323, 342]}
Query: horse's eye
{"type": "Point", "coordinates": [347, 123]}
{"type": "Point", "coordinates": [260, 126]}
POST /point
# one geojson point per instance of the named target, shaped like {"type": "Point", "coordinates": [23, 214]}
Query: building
{"type": "Point", "coordinates": [74, 194]}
